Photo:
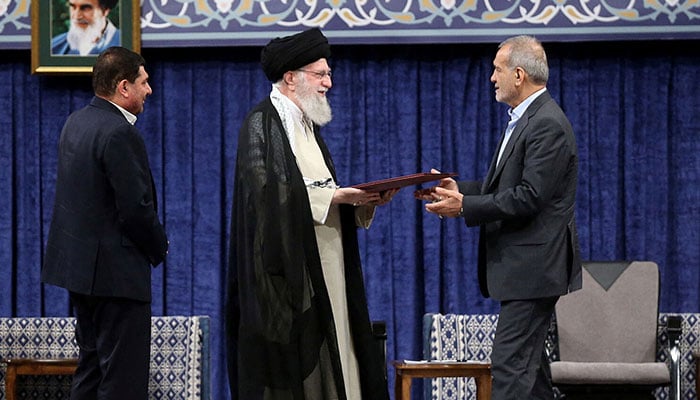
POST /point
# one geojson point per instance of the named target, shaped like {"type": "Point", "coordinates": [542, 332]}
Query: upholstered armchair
{"type": "Point", "coordinates": [607, 335]}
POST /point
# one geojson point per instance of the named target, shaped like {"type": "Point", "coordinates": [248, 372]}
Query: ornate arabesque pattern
{"type": "Point", "coordinates": [170, 23]}
{"type": "Point", "coordinates": [179, 355]}
{"type": "Point", "coordinates": [160, 14]}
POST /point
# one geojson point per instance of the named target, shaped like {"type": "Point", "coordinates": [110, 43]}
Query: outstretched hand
{"type": "Point", "coordinates": [445, 200]}
{"type": "Point", "coordinates": [445, 203]}
{"type": "Point", "coordinates": [385, 197]}
{"type": "Point", "coordinates": [359, 197]}
{"type": "Point", "coordinates": [356, 197]}
{"type": "Point", "coordinates": [429, 193]}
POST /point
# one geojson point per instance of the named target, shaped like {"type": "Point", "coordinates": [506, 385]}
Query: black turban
{"type": "Point", "coordinates": [293, 52]}
{"type": "Point", "coordinates": [108, 3]}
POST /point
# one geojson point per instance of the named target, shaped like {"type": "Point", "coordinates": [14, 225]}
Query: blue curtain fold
{"type": "Point", "coordinates": [398, 109]}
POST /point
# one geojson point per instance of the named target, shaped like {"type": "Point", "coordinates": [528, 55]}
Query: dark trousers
{"type": "Point", "coordinates": [114, 336]}
{"type": "Point", "coordinates": [518, 361]}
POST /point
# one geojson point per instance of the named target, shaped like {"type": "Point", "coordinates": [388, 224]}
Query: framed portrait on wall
{"type": "Point", "coordinates": [67, 35]}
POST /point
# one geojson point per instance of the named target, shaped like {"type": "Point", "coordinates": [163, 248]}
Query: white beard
{"type": "Point", "coordinates": [84, 40]}
{"type": "Point", "coordinates": [315, 107]}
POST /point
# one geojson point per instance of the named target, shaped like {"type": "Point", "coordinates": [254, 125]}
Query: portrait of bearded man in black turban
{"type": "Point", "coordinates": [90, 30]}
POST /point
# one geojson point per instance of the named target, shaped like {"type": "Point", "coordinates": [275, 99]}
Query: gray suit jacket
{"type": "Point", "coordinates": [528, 246]}
{"type": "Point", "coordinates": [105, 233]}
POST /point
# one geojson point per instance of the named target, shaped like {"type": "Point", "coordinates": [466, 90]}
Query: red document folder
{"type": "Point", "coordinates": [401, 181]}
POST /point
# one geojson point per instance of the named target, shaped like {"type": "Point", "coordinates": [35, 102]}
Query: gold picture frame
{"type": "Point", "coordinates": [51, 21]}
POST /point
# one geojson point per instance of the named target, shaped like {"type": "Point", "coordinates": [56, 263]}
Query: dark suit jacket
{"type": "Point", "coordinates": [104, 232]}
{"type": "Point", "coordinates": [528, 246]}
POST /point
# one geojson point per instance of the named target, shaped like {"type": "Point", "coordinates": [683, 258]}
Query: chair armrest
{"type": "Point", "coordinates": [674, 331]}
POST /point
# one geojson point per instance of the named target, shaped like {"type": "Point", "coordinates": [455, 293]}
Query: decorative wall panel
{"type": "Point", "coordinates": [185, 23]}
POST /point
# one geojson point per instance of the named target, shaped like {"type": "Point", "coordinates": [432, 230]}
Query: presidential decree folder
{"type": "Point", "coordinates": [402, 181]}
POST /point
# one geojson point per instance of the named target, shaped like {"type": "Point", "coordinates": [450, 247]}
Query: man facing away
{"type": "Point", "coordinates": [105, 234]}
{"type": "Point", "coordinates": [90, 30]}
{"type": "Point", "coordinates": [298, 325]}
{"type": "Point", "coordinates": [528, 246]}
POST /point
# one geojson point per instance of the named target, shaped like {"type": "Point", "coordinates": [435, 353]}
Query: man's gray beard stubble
{"type": "Point", "coordinates": [315, 107]}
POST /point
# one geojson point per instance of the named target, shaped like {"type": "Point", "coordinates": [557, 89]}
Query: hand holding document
{"type": "Point", "coordinates": [402, 181]}
{"type": "Point", "coordinates": [383, 190]}
{"type": "Point", "coordinates": [359, 197]}
{"type": "Point", "coordinates": [445, 198]}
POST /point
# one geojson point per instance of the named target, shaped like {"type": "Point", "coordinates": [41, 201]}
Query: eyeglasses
{"type": "Point", "coordinates": [318, 74]}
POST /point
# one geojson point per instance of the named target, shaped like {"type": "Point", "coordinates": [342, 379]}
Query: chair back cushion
{"type": "Point", "coordinates": [614, 317]}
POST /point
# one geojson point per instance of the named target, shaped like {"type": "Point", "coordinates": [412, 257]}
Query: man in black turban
{"type": "Point", "coordinates": [90, 32]}
{"type": "Point", "coordinates": [297, 321]}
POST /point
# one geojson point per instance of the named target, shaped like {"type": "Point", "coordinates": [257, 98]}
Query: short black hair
{"type": "Point", "coordinates": [112, 66]}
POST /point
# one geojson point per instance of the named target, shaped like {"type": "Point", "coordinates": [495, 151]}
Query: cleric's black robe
{"type": "Point", "coordinates": [281, 342]}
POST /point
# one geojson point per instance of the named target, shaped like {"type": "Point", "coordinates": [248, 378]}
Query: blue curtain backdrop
{"type": "Point", "coordinates": [398, 110]}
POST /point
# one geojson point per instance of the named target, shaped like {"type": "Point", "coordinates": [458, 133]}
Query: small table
{"type": "Point", "coordinates": [34, 366]}
{"type": "Point", "coordinates": [405, 372]}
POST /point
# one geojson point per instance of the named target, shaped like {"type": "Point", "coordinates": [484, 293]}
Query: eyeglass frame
{"type": "Point", "coordinates": [317, 74]}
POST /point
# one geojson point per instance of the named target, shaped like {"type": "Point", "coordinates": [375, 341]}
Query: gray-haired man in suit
{"type": "Point", "coordinates": [528, 247]}
{"type": "Point", "coordinates": [105, 234]}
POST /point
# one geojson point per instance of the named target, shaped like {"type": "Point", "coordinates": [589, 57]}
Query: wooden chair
{"type": "Point", "coordinates": [34, 366]}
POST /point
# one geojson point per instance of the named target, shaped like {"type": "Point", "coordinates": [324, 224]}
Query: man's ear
{"type": "Point", "coordinates": [519, 73]}
{"type": "Point", "coordinates": [122, 88]}
{"type": "Point", "coordinates": [289, 78]}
